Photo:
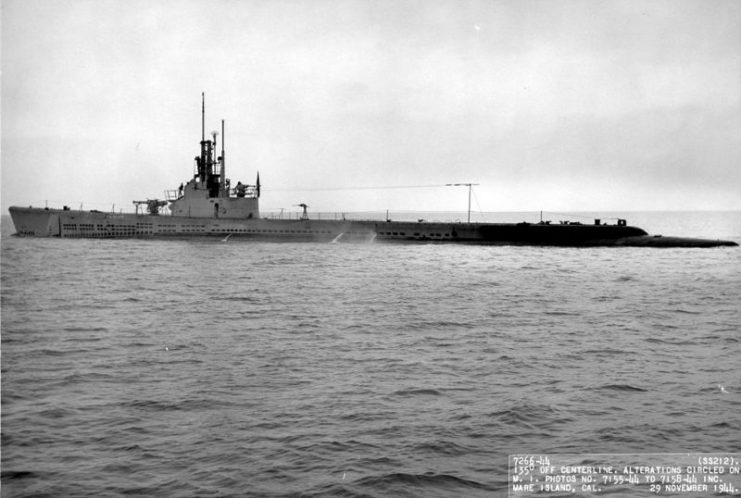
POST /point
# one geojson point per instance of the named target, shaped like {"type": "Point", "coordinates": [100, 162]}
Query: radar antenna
{"type": "Point", "coordinates": [469, 185]}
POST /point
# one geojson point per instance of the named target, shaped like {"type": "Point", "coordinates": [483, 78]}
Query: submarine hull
{"type": "Point", "coordinates": [42, 222]}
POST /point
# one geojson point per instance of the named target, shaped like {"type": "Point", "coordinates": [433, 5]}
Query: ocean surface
{"type": "Point", "coordinates": [203, 368]}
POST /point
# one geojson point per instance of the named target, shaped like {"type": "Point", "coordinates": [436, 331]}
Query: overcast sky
{"type": "Point", "coordinates": [554, 105]}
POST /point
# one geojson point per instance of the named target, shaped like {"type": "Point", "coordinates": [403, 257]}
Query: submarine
{"type": "Point", "coordinates": [208, 205]}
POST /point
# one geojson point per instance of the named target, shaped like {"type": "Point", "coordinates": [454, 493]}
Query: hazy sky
{"type": "Point", "coordinates": [553, 105]}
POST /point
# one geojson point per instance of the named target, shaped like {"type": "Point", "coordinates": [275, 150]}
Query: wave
{"type": "Point", "coordinates": [625, 278]}
{"type": "Point", "coordinates": [437, 448]}
{"type": "Point", "coordinates": [181, 405]}
{"type": "Point", "coordinates": [604, 351]}
{"type": "Point", "coordinates": [562, 313]}
{"type": "Point", "coordinates": [439, 324]}
{"type": "Point", "coordinates": [57, 412]}
{"type": "Point", "coordinates": [417, 392]}
{"type": "Point", "coordinates": [78, 377]}
{"type": "Point", "coordinates": [673, 342]}
{"type": "Point", "coordinates": [85, 329]}
{"type": "Point", "coordinates": [8, 475]}
{"type": "Point", "coordinates": [405, 483]}
{"type": "Point", "coordinates": [243, 299]}
{"type": "Point", "coordinates": [530, 416]}
{"type": "Point", "coordinates": [622, 387]}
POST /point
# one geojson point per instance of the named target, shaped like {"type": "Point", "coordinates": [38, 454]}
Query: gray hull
{"type": "Point", "coordinates": [39, 222]}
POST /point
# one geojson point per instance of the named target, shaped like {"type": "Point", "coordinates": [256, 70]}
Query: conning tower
{"type": "Point", "coordinates": [209, 193]}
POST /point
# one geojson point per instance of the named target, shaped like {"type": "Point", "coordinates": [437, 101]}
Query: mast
{"type": "Point", "coordinates": [469, 203]}
{"type": "Point", "coordinates": [222, 177]}
{"type": "Point", "coordinates": [202, 159]}
{"type": "Point", "coordinates": [206, 161]}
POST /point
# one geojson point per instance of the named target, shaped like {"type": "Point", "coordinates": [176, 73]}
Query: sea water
{"type": "Point", "coordinates": [210, 368]}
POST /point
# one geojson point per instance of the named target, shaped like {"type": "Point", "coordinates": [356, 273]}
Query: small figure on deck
{"type": "Point", "coordinates": [180, 191]}
{"type": "Point", "coordinates": [240, 189]}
